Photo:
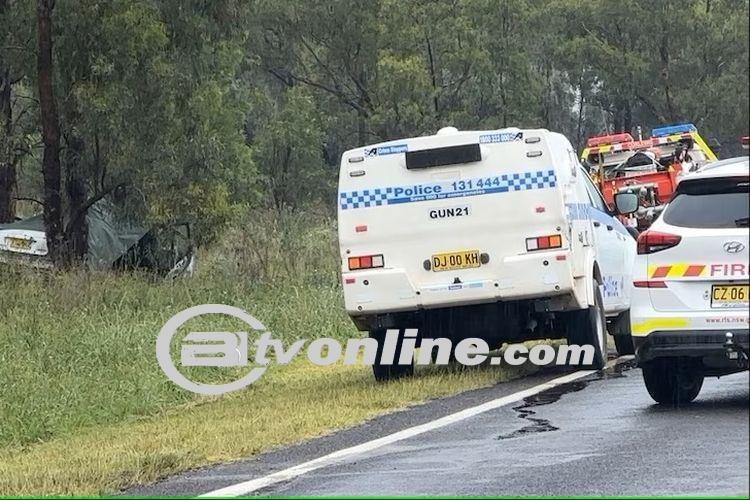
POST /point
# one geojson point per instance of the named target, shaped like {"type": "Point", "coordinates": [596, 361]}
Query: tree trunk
{"type": "Point", "coordinates": [579, 124]}
{"type": "Point", "coordinates": [7, 161]}
{"type": "Point", "coordinates": [50, 132]}
{"type": "Point", "coordinates": [627, 120]}
{"type": "Point", "coordinates": [617, 119]}
{"type": "Point", "coordinates": [361, 113]}
{"type": "Point", "coordinates": [623, 116]}
{"type": "Point", "coordinates": [665, 74]}
{"type": "Point", "coordinates": [433, 78]}
{"type": "Point", "coordinates": [7, 192]}
{"type": "Point", "coordinates": [76, 229]}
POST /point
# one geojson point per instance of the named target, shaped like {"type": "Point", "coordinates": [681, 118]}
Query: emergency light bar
{"type": "Point", "coordinates": [437, 157]}
{"type": "Point", "coordinates": [598, 140]}
{"type": "Point", "coordinates": [675, 128]}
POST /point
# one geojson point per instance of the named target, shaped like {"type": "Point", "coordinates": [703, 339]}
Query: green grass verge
{"type": "Point", "coordinates": [85, 409]}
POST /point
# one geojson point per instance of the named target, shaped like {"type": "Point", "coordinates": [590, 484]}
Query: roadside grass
{"type": "Point", "coordinates": [78, 349]}
{"type": "Point", "coordinates": [85, 408]}
{"type": "Point", "coordinates": [289, 404]}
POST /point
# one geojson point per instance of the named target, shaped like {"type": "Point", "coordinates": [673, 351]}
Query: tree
{"type": "Point", "coordinates": [50, 131]}
{"type": "Point", "coordinates": [287, 138]}
{"type": "Point", "coordinates": [17, 105]}
{"type": "Point", "coordinates": [8, 182]}
{"type": "Point", "coordinates": [307, 43]}
{"type": "Point", "coordinates": [185, 109]}
{"type": "Point", "coordinates": [146, 110]}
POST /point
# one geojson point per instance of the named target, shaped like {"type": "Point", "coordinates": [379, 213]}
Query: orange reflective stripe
{"type": "Point", "coordinates": [677, 270]}
{"type": "Point", "coordinates": [694, 270]}
{"type": "Point", "coordinates": [661, 272]}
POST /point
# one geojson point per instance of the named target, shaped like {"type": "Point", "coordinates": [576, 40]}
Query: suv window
{"type": "Point", "coordinates": [710, 203]}
{"type": "Point", "coordinates": [596, 199]}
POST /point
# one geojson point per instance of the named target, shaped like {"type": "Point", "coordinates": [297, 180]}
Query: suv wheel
{"type": "Point", "coordinates": [672, 381]}
{"type": "Point", "coordinates": [385, 372]}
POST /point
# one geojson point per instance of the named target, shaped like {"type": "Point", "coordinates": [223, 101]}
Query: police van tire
{"type": "Point", "coordinates": [589, 327]}
{"type": "Point", "coordinates": [385, 372]}
{"type": "Point", "coordinates": [672, 381]}
{"type": "Point", "coordinates": [621, 333]}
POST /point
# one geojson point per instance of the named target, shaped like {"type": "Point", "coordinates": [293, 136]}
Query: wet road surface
{"type": "Point", "coordinates": [601, 435]}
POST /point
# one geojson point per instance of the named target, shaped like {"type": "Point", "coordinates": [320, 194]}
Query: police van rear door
{"type": "Point", "coordinates": [464, 203]}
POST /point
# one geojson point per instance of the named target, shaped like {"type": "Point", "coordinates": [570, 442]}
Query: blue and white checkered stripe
{"type": "Point", "coordinates": [530, 180]}
{"type": "Point", "coordinates": [520, 181]}
{"type": "Point", "coordinates": [367, 198]}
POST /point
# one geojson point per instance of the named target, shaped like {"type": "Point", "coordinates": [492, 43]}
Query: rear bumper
{"type": "Point", "coordinates": [646, 320]}
{"type": "Point", "coordinates": [707, 344]}
{"type": "Point", "coordinates": [537, 275]}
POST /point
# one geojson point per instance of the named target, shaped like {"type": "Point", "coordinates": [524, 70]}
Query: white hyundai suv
{"type": "Point", "coordinates": [689, 310]}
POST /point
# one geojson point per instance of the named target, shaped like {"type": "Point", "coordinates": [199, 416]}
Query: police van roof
{"type": "Point", "coordinates": [492, 135]}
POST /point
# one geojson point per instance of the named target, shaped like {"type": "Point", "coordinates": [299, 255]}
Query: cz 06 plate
{"type": "Point", "coordinates": [724, 296]}
{"type": "Point", "coordinates": [449, 261]}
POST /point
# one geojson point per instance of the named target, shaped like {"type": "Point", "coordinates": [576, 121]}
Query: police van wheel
{"type": "Point", "coordinates": [589, 327]}
{"type": "Point", "coordinates": [385, 372]}
{"type": "Point", "coordinates": [672, 381]}
{"type": "Point", "coordinates": [621, 333]}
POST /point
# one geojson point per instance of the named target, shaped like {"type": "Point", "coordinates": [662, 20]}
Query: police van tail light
{"type": "Point", "coordinates": [366, 262]}
{"type": "Point", "coordinates": [655, 241]}
{"type": "Point", "coordinates": [543, 242]}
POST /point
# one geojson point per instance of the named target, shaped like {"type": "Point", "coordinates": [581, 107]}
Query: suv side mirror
{"type": "Point", "coordinates": [626, 203]}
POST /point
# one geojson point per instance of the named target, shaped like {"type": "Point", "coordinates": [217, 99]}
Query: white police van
{"type": "Point", "coordinates": [498, 235]}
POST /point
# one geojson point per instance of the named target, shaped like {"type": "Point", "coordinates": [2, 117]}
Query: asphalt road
{"type": "Point", "coordinates": [600, 435]}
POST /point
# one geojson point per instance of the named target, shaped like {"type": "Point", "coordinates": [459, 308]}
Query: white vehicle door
{"type": "Point", "coordinates": [611, 243]}
{"type": "Point", "coordinates": [578, 205]}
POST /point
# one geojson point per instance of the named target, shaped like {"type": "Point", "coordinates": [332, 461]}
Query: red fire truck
{"type": "Point", "coordinates": [650, 167]}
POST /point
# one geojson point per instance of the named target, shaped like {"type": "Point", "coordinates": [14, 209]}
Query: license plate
{"type": "Point", "coordinates": [455, 260]}
{"type": "Point", "coordinates": [729, 295]}
{"type": "Point", "coordinates": [18, 243]}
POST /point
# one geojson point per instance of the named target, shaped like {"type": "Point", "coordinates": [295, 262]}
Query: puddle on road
{"type": "Point", "coordinates": [552, 396]}
{"type": "Point", "coordinates": [544, 398]}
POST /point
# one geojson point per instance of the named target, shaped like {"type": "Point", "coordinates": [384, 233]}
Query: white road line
{"type": "Point", "coordinates": [336, 457]}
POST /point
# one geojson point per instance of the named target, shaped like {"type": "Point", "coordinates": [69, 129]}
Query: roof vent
{"type": "Point", "coordinates": [447, 131]}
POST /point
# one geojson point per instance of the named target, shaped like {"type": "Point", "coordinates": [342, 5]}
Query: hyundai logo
{"type": "Point", "coordinates": [733, 247]}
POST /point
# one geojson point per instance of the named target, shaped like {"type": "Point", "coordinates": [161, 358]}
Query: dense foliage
{"type": "Point", "coordinates": [188, 109]}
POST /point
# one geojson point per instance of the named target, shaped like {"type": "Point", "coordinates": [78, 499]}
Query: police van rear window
{"type": "Point", "coordinates": [438, 157]}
